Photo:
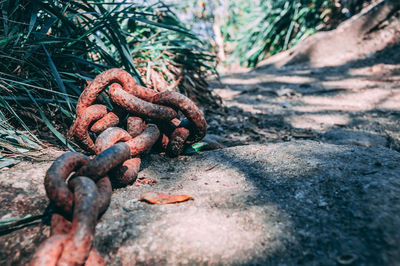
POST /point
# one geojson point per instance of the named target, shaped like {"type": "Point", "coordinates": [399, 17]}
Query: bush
{"type": "Point", "coordinates": [50, 49]}
{"type": "Point", "coordinates": [263, 28]}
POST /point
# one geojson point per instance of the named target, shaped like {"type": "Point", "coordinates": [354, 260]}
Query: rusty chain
{"type": "Point", "coordinates": [80, 188]}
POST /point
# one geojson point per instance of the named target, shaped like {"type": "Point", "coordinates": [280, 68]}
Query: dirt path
{"type": "Point", "coordinates": [295, 203]}
{"type": "Point", "coordinates": [291, 201]}
{"type": "Point", "coordinates": [355, 103]}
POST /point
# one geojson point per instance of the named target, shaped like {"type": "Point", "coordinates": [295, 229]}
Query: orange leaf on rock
{"type": "Point", "coordinates": [160, 198]}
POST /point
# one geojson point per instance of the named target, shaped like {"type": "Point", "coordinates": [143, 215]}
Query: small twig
{"type": "Point", "coordinates": [210, 168]}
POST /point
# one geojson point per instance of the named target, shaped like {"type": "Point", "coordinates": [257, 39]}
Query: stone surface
{"type": "Point", "coordinates": [300, 202]}
{"type": "Point", "coordinates": [360, 138]}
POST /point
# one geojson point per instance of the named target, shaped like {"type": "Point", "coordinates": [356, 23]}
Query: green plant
{"type": "Point", "coordinates": [263, 28]}
{"type": "Point", "coordinates": [50, 49]}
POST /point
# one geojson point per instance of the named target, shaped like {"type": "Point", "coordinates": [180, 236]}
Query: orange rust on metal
{"type": "Point", "coordinates": [58, 191]}
{"type": "Point", "coordinates": [109, 137]}
{"type": "Point", "coordinates": [71, 243]}
{"type": "Point", "coordinates": [89, 190]}
{"type": "Point", "coordinates": [139, 107]}
{"type": "Point", "coordinates": [56, 188]}
{"type": "Point", "coordinates": [135, 126]}
{"type": "Point", "coordinates": [126, 174]}
{"type": "Point", "coordinates": [109, 120]}
{"type": "Point", "coordinates": [49, 251]}
{"type": "Point", "coordinates": [59, 225]}
{"type": "Point", "coordinates": [188, 108]}
{"type": "Point", "coordinates": [142, 92]}
{"type": "Point", "coordinates": [83, 121]}
{"type": "Point", "coordinates": [177, 141]}
{"type": "Point", "coordinates": [79, 241]}
{"type": "Point", "coordinates": [105, 161]}
{"type": "Point", "coordinates": [92, 91]}
{"type": "Point", "coordinates": [114, 75]}
{"type": "Point", "coordinates": [144, 141]}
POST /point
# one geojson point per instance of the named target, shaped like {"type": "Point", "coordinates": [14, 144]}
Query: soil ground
{"type": "Point", "coordinates": [354, 103]}
{"type": "Point", "coordinates": [292, 203]}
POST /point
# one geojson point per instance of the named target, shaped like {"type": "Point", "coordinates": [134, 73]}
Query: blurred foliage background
{"type": "Point", "coordinates": [49, 50]}
{"type": "Point", "coordinates": [254, 30]}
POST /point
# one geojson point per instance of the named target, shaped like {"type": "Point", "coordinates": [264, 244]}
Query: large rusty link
{"type": "Point", "coordinates": [71, 243]}
{"type": "Point", "coordinates": [56, 188]}
{"type": "Point", "coordinates": [144, 141]}
{"type": "Point", "coordinates": [139, 107]}
{"type": "Point", "coordinates": [49, 251]}
{"type": "Point", "coordinates": [104, 189]}
{"type": "Point", "coordinates": [109, 137]}
{"type": "Point", "coordinates": [127, 173]}
{"type": "Point", "coordinates": [135, 126]}
{"type": "Point", "coordinates": [114, 75]}
{"type": "Point", "coordinates": [109, 120]}
{"type": "Point", "coordinates": [177, 141]}
{"type": "Point", "coordinates": [105, 161]}
{"type": "Point", "coordinates": [182, 103]}
{"type": "Point", "coordinates": [80, 237]}
{"type": "Point", "coordinates": [80, 130]}
{"type": "Point", "coordinates": [138, 144]}
{"type": "Point", "coordinates": [133, 94]}
{"type": "Point", "coordinates": [81, 187]}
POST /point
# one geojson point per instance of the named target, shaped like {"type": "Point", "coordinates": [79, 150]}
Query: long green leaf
{"type": "Point", "coordinates": [48, 123]}
{"type": "Point", "coordinates": [57, 77]}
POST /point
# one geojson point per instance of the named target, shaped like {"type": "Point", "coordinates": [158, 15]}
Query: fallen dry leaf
{"type": "Point", "coordinates": [160, 198]}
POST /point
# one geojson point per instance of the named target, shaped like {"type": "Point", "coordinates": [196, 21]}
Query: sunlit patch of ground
{"type": "Point", "coordinates": [274, 104]}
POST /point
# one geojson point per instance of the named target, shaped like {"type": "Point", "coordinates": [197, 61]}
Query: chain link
{"type": "Point", "coordinates": [80, 188]}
